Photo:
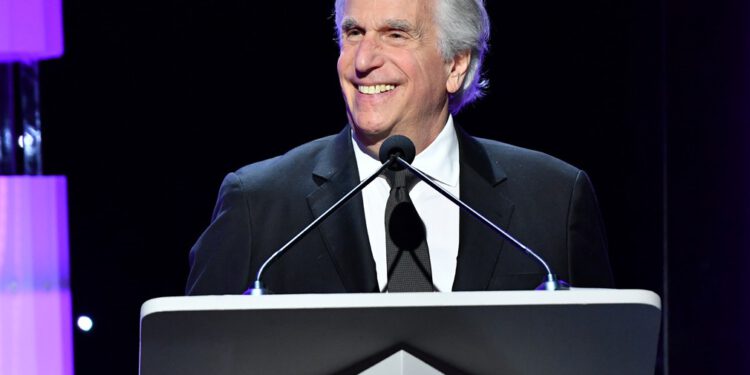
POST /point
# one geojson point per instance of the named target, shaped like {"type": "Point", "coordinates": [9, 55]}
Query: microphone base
{"type": "Point", "coordinates": [551, 283]}
{"type": "Point", "coordinates": [257, 290]}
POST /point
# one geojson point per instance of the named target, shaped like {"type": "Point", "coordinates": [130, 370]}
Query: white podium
{"type": "Point", "coordinates": [581, 331]}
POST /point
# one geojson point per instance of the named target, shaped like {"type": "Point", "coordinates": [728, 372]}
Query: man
{"type": "Point", "coordinates": [405, 66]}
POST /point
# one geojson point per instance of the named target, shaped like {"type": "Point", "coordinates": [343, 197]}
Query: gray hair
{"type": "Point", "coordinates": [463, 25]}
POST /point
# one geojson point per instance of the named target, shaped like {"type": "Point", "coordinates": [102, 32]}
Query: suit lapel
{"type": "Point", "coordinates": [345, 231]}
{"type": "Point", "coordinates": [479, 247]}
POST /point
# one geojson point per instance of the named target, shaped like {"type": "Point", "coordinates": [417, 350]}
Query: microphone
{"type": "Point", "coordinates": [394, 148]}
{"type": "Point", "coordinates": [397, 146]}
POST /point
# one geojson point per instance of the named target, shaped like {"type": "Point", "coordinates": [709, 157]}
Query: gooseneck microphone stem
{"type": "Point", "coordinates": [396, 153]}
{"type": "Point", "coordinates": [551, 282]}
{"type": "Point", "coordinates": [258, 288]}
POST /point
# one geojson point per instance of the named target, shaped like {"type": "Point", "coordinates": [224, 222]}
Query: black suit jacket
{"type": "Point", "coordinates": [544, 202]}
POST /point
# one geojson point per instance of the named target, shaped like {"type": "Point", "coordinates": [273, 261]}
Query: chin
{"type": "Point", "coordinates": [373, 129]}
{"type": "Point", "coordinates": [372, 125]}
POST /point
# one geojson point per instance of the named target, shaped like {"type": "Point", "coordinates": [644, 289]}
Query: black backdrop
{"type": "Point", "coordinates": [156, 100]}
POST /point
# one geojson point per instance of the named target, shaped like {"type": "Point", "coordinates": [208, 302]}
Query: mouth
{"type": "Point", "coordinates": [375, 89]}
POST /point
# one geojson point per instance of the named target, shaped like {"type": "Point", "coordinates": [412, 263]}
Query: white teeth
{"type": "Point", "coordinates": [376, 89]}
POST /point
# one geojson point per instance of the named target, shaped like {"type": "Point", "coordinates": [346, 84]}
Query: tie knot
{"type": "Point", "coordinates": [401, 179]}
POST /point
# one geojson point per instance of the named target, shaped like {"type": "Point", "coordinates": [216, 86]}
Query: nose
{"type": "Point", "coordinates": [369, 56]}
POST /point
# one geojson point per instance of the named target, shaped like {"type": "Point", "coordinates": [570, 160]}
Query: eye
{"type": "Point", "coordinates": [353, 34]}
{"type": "Point", "coordinates": [397, 37]}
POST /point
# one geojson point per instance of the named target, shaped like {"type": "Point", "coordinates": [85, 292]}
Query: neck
{"type": "Point", "coordinates": [422, 135]}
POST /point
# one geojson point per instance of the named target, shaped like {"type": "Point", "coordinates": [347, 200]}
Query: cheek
{"type": "Point", "coordinates": [340, 64]}
{"type": "Point", "coordinates": [434, 72]}
{"type": "Point", "coordinates": [342, 68]}
{"type": "Point", "coordinates": [345, 59]}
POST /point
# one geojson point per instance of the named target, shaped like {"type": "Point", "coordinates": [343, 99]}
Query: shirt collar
{"type": "Point", "coordinates": [439, 160]}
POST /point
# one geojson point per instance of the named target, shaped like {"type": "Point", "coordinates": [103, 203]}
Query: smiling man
{"type": "Point", "coordinates": [405, 67]}
{"type": "Point", "coordinates": [393, 75]}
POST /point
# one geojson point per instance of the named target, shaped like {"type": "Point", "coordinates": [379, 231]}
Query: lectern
{"type": "Point", "coordinates": [579, 331]}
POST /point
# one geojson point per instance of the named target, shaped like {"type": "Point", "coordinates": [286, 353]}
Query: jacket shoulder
{"type": "Point", "coordinates": [518, 160]}
{"type": "Point", "coordinates": [292, 165]}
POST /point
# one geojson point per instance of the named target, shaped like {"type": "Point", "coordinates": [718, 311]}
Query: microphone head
{"type": "Point", "coordinates": [398, 145]}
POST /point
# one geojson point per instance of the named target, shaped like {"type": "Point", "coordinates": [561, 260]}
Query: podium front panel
{"type": "Point", "coordinates": [566, 332]}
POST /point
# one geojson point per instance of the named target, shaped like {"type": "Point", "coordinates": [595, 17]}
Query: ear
{"type": "Point", "coordinates": [458, 67]}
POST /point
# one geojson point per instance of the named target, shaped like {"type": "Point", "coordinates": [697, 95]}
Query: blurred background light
{"type": "Point", "coordinates": [36, 322]}
{"type": "Point", "coordinates": [30, 30]}
{"type": "Point", "coordinates": [85, 323]}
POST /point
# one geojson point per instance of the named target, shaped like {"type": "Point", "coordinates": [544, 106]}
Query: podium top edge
{"type": "Point", "coordinates": [577, 296]}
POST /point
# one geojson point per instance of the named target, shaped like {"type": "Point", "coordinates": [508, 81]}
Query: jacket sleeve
{"type": "Point", "coordinates": [587, 242]}
{"type": "Point", "coordinates": [220, 259]}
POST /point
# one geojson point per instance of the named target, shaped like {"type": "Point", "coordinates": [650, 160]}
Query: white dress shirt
{"type": "Point", "coordinates": [440, 162]}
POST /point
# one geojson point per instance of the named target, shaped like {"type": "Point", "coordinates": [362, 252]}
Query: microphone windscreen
{"type": "Point", "coordinates": [397, 144]}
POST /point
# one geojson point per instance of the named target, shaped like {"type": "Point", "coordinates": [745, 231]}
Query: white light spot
{"type": "Point", "coordinates": [85, 323]}
{"type": "Point", "coordinates": [26, 140]}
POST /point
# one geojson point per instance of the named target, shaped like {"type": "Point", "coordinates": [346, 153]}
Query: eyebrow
{"type": "Point", "coordinates": [401, 25]}
{"type": "Point", "coordinates": [393, 24]}
{"type": "Point", "coordinates": [349, 23]}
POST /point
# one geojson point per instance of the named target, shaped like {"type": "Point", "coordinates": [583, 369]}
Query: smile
{"type": "Point", "coordinates": [376, 89]}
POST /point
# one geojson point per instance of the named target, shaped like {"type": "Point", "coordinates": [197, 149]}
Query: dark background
{"type": "Point", "coordinates": [154, 101]}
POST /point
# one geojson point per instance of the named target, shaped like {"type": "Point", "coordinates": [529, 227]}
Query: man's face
{"type": "Point", "coordinates": [392, 74]}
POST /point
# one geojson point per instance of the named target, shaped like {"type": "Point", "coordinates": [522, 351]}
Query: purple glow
{"type": "Point", "coordinates": [36, 320]}
{"type": "Point", "coordinates": [30, 30]}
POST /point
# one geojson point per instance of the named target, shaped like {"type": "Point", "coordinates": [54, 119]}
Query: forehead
{"type": "Point", "coordinates": [377, 12]}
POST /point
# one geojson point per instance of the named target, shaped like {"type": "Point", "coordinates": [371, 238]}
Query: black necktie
{"type": "Point", "coordinates": [405, 241]}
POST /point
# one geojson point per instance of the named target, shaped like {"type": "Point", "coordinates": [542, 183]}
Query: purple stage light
{"type": "Point", "coordinates": [30, 30]}
{"type": "Point", "coordinates": [35, 303]}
